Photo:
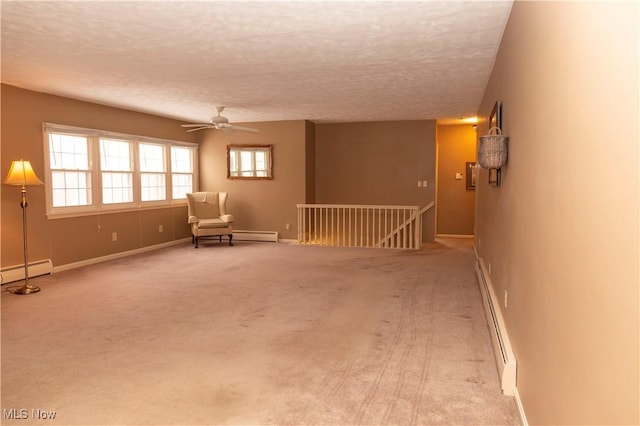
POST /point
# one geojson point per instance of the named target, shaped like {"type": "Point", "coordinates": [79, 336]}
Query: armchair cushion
{"type": "Point", "coordinates": [202, 223]}
{"type": "Point", "coordinates": [212, 223]}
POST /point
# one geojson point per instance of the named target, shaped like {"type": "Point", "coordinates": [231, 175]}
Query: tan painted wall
{"type": "Point", "coordinates": [561, 233]}
{"type": "Point", "coordinates": [261, 205]}
{"type": "Point", "coordinates": [456, 204]}
{"type": "Point", "coordinates": [377, 163]}
{"type": "Point", "coordinates": [310, 162]}
{"type": "Point", "coordinates": [74, 239]}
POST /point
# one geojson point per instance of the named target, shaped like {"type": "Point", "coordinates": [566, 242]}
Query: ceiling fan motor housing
{"type": "Point", "coordinates": [218, 119]}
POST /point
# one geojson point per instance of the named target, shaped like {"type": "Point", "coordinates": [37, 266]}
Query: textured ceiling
{"type": "Point", "coordinates": [265, 61]}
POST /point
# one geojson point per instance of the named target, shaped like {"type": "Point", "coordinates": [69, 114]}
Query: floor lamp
{"type": "Point", "coordinates": [21, 174]}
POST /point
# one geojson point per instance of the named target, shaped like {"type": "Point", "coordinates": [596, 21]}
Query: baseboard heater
{"type": "Point", "coordinates": [271, 236]}
{"type": "Point", "coordinates": [16, 272]}
{"type": "Point", "coordinates": [505, 359]}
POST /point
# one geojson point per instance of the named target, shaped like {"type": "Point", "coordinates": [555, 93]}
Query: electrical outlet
{"type": "Point", "coordinates": [287, 226]}
{"type": "Point", "coordinates": [160, 228]}
{"type": "Point", "coordinates": [425, 183]}
{"type": "Point", "coordinates": [419, 184]}
{"type": "Point", "coordinates": [114, 236]}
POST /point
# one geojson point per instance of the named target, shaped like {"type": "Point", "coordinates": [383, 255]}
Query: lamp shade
{"type": "Point", "coordinates": [21, 173]}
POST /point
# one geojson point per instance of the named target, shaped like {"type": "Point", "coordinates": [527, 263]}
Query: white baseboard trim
{"type": "Point", "coordinates": [523, 416]}
{"type": "Point", "coordinates": [16, 272]}
{"type": "Point", "coordinates": [483, 276]}
{"type": "Point", "coordinates": [454, 236]}
{"type": "Point", "coordinates": [113, 256]}
{"type": "Point", "coordinates": [504, 356]}
{"type": "Point", "coordinates": [242, 235]}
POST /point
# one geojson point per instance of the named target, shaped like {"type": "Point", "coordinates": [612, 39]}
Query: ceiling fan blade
{"type": "Point", "coordinates": [200, 128]}
{"type": "Point", "coordinates": [245, 129]}
{"type": "Point", "coordinates": [196, 125]}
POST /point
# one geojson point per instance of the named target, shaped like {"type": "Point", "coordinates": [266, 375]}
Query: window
{"type": "Point", "coordinates": [90, 171]}
{"type": "Point", "coordinates": [182, 168]}
{"type": "Point", "coordinates": [117, 171]}
{"type": "Point", "coordinates": [70, 174]}
{"type": "Point", "coordinates": [152, 172]}
{"type": "Point", "coordinates": [249, 161]}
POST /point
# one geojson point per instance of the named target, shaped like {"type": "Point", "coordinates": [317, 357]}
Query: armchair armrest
{"type": "Point", "coordinates": [193, 219]}
{"type": "Point", "coordinates": [227, 218]}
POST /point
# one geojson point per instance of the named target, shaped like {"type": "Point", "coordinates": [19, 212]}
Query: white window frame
{"type": "Point", "coordinates": [64, 171]}
{"type": "Point", "coordinates": [254, 173]}
{"type": "Point", "coordinates": [97, 206]}
{"type": "Point", "coordinates": [165, 172]}
{"type": "Point", "coordinates": [178, 173]}
{"type": "Point", "coordinates": [130, 171]}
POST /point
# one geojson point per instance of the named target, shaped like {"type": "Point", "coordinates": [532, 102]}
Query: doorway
{"type": "Point", "coordinates": [455, 194]}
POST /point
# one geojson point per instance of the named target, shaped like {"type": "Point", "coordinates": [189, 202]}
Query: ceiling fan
{"type": "Point", "coordinates": [218, 122]}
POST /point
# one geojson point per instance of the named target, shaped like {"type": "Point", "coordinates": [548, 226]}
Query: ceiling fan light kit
{"type": "Point", "coordinates": [218, 122]}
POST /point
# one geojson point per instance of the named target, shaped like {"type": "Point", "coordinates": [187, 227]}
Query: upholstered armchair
{"type": "Point", "coordinates": [208, 216]}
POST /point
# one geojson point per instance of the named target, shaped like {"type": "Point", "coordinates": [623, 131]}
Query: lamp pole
{"type": "Point", "coordinates": [26, 288]}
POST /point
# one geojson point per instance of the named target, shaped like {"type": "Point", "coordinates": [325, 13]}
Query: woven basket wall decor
{"type": "Point", "coordinates": [492, 149]}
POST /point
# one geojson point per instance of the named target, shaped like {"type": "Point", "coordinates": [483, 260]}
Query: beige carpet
{"type": "Point", "coordinates": [258, 333]}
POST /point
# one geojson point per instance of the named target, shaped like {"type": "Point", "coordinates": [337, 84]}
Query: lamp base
{"type": "Point", "coordinates": [25, 289]}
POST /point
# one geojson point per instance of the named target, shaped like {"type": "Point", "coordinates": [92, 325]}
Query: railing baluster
{"type": "Point", "coordinates": [397, 236]}
{"type": "Point", "coordinates": [338, 226]}
{"type": "Point", "coordinates": [343, 228]}
{"type": "Point", "coordinates": [399, 239]}
{"type": "Point", "coordinates": [404, 230]}
{"type": "Point", "coordinates": [307, 224]}
{"type": "Point", "coordinates": [355, 227]}
{"type": "Point", "coordinates": [379, 233]}
{"type": "Point", "coordinates": [300, 221]}
{"type": "Point", "coordinates": [310, 225]}
{"type": "Point", "coordinates": [360, 229]}
{"type": "Point", "coordinates": [320, 226]}
{"type": "Point", "coordinates": [404, 234]}
{"type": "Point", "coordinates": [361, 222]}
{"type": "Point", "coordinates": [367, 214]}
{"type": "Point", "coordinates": [324, 228]}
{"type": "Point", "coordinates": [411, 227]}
{"type": "Point", "coordinates": [418, 226]}
{"type": "Point", "coordinates": [327, 225]}
{"type": "Point", "coordinates": [332, 227]}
